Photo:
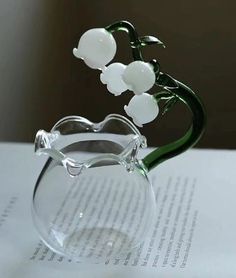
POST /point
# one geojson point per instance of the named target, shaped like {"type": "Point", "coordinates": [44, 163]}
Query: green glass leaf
{"type": "Point", "coordinates": [149, 40]}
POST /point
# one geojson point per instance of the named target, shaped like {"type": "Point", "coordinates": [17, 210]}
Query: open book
{"type": "Point", "coordinates": [194, 234]}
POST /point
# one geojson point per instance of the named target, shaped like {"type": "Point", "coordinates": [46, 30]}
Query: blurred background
{"type": "Point", "coordinates": [41, 81]}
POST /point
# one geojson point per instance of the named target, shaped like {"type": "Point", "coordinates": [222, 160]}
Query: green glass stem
{"type": "Point", "coordinates": [193, 134]}
{"type": "Point", "coordinates": [172, 92]}
{"type": "Point", "coordinates": [133, 36]}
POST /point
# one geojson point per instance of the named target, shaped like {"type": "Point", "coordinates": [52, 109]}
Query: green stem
{"type": "Point", "coordinates": [191, 100]}
{"type": "Point", "coordinates": [173, 91]}
{"type": "Point", "coordinates": [133, 36]}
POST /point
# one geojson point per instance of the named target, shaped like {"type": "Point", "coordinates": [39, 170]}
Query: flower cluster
{"type": "Point", "coordinates": [97, 47]}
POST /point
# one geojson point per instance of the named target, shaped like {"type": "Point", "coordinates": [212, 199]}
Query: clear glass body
{"type": "Point", "coordinates": [92, 200]}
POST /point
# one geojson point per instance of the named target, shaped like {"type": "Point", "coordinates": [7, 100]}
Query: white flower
{"type": "Point", "coordinates": [97, 47]}
{"type": "Point", "coordinates": [112, 76]}
{"type": "Point", "coordinates": [142, 109]}
{"type": "Point", "coordinates": [139, 76]}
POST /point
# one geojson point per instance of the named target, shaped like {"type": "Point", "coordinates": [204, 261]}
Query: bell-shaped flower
{"type": "Point", "coordinates": [139, 76]}
{"type": "Point", "coordinates": [97, 47]}
{"type": "Point", "coordinates": [112, 76]}
{"type": "Point", "coordinates": [142, 109]}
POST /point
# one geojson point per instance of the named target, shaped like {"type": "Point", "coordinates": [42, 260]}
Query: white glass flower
{"type": "Point", "coordinates": [112, 76]}
{"type": "Point", "coordinates": [97, 47]}
{"type": "Point", "coordinates": [142, 109]}
{"type": "Point", "coordinates": [139, 76]}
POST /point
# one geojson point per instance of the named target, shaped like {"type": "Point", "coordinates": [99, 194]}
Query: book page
{"type": "Point", "coordinates": [193, 234]}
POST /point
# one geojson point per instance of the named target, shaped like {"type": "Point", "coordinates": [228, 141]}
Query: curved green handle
{"type": "Point", "coordinates": [172, 92]}
{"type": "Point", "coordinates": [188, 97]}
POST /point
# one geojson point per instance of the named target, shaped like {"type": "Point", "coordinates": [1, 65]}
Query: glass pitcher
{"type": "Point", "coordinates": [93, 199]}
